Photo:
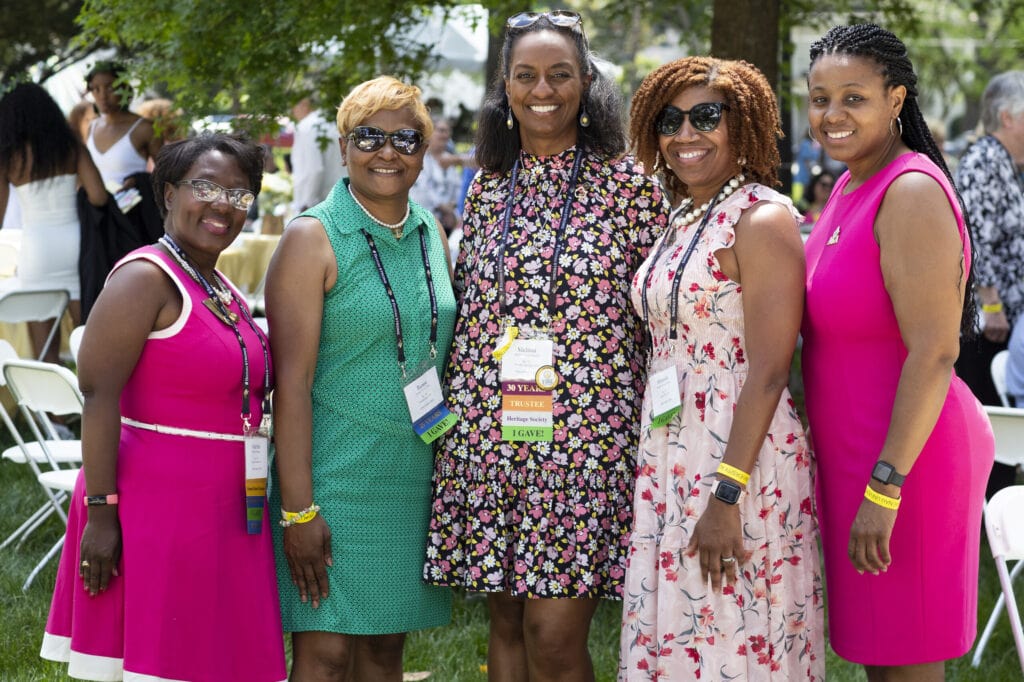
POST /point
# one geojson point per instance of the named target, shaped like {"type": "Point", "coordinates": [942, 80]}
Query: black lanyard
{"type": "Point", "coordinates": [394, 302]}
{"type": "Point", "coordinates": [674, 301]}
{"type": "Point", "coordinates": [227, 315]}
{"type": "Point", "coordinates": [566, 212]}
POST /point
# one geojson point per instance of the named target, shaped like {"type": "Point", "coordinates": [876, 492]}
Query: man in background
{"type": "Point", "coordinates": [315, 156]}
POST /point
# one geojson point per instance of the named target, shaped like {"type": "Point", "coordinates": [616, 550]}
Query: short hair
{"type": "Point", "coordinates": [752, 121]}
{"type": "Point", "coordinates": [33, 126]}
{"type": "Point", "coordinates": [384, 93]}
{"type": "Point", "coordinates": [120, 74]}
{"type": "Point", "coordinates": [174, 160]}
{"type": "Point", "coordinates": [497, 147]}
{"type": "Point", "coordinates": [1004, 92]}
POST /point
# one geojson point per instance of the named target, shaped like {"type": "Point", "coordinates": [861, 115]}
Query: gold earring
{"type": "Point", "coordinates": [509, 121]}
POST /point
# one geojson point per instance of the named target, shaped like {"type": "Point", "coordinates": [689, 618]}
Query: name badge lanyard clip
{"type": "Point", "coordinates": [257, 442]}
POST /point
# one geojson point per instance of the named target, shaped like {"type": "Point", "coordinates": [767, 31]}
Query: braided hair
{"type": "Point", "coordinates": [497, 147]}
{"type": "Point", "coordinates": [753, 120]}
{"type": "Point", "coordinates": [890, 53]}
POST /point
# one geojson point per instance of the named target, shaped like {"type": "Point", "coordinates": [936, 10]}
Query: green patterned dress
{"type": "Point", "coordinates": [371, 472]}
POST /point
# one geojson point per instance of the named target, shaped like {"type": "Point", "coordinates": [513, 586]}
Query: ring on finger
{"type": "Point", "coordinates": [85, 563]}
{"type": "Point", "coordinates": [728, 560]}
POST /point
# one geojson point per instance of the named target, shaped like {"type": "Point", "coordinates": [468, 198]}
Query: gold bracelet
{"type": "Point", "coordinates": [992, 308]}
{"type": "Point", "coordinates": [305, 516]}
{"type": "Point", "coordinates": [871, 495]}
{"type": "Point", "coordinates": [732, 472]}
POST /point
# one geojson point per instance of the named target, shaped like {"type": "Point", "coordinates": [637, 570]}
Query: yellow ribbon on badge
{"type": "Point", "coordinates": [506, 342]}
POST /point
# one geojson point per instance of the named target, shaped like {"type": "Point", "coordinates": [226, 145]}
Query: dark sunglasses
{"type": "Point", "coordinates": [369, 139]}
{"type": "Point", "coordinates": [560, 17]}
{"type": "Point", "coordinates": [705, 117]}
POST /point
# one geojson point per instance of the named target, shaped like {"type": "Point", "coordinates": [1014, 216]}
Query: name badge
{"type": "Point", "coordinates": [430, 417]}
{"type": "Point", "coordinates": [527, 379]}
{"type": "Point", "coordinates": [665, 402]}
{"type": "Point", "coordinates": [257, 448]}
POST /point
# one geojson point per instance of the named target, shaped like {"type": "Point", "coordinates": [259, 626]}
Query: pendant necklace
{"type": "Point", "coordinates": [396, 229]}
{"type": "Point", "coordinates": [219, 288]}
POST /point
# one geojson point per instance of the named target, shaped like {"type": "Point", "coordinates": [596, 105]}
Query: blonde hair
{"type": "Point", "coordinates": [380, 94]}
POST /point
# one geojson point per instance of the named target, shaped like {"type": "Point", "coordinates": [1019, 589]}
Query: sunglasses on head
{"type": "Point", "coordinates": [705, 117]}
{"type": "Point", "coordinates": [204, 190]}
{"type": "Point", "coordinates": [560, 17]}
{"type": "Point", "coordinates": [369, 139]}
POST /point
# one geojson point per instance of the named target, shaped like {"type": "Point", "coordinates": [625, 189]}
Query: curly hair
{"type": "Point", "coordinates": [175, 159]}
{"type": "Point", "coordinates": [497, 147]}
{"type": "Point", "coordinates": [752, 122]}
{"type": "Point", "coordinates": [890, 54]}
{"type": "Point", "coordinates": [33, 126]}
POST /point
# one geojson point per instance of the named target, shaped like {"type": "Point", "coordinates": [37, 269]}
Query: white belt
{"type": "Point", "coordinates": [176, 431]}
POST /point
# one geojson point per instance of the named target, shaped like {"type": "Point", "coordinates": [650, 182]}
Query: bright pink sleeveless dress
{"type": "Point", "coordinates": [196, 598]}
{"type": "Point", "coordinates": [924, 608]}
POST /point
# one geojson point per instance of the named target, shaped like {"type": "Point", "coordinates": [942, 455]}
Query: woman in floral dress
{"type": "Point", "coordinates": [533, 485]}
{"type": "Point", "coordinates": [722, 580]}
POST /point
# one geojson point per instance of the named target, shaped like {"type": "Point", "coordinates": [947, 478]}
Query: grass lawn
{"type": "Point", "coordinates": [452, 654]}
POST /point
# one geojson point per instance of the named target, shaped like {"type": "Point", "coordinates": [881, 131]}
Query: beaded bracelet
{"type": "Point", "coordinates": [292, 518]}
{"type": "Point", "coordinates": [881, 500]}
{"type": "Point", "coordinates": [732, 472]}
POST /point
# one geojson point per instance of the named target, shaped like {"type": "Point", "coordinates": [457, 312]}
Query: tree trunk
{"type": "Point", "coordinates": [748, 30]}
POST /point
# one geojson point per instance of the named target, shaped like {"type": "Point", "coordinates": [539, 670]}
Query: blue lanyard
{"type": "Point", "coordinates": [394, 302]}
{"type": "Point", "coordinates": [507, 220]}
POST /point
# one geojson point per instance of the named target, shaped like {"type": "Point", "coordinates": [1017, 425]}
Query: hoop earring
{"type": "Point", "coordinates": [899, 122]}
{"type": "Point", "coordinates": [584, 118]}
{"type": "Point", "coordinates": [510, 122]}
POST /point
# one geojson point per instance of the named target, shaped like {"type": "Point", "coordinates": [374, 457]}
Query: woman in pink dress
{"type": "Point", "coordinates": [903, 448]}
{"type": "Point", "coordinates": [167, 571]}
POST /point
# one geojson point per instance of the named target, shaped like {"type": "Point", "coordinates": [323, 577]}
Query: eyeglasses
{"type": "Point", "coordinates": [369, 139]}
{"type": "Point", "coordinates": [204, 190]}
{"type": "Point", "coordinates": [705, 117]}
{"type": "Point", "coordinates": [560, 17]}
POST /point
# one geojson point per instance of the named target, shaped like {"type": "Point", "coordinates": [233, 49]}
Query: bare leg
{"type": "Point", "coordinates": [378, 658]}
{"type": "Point", "coordinates": [556, 632]}
{"type": "Point", "coordinates": [321, 657]}
{"type": "Point", "coordinates": [925, 672]}
{"type": "Point", "coordinates": [506, 646]}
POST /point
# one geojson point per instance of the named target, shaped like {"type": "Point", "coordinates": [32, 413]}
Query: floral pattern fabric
{"type": "Point", "coordinates": [547, 519]}
{"type": "Point", "coordinates": [768, 625]}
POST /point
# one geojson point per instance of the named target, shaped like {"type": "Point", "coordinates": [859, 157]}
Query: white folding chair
{"type": "Point", "coordinates": [998, 370]}
{"type": "Point", "coordinates": [40, 388]}
{"type": "Point", "coordinates": [35, 305]}
{"type": "Point", "coordinates": [1004, 523]}
{"type": "Point", "coordinates": [75, 341]}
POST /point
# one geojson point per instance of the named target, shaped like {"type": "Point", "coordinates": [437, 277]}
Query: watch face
{"type": "Point", "coordinates": [727, 492]}
{"type": "Point", "coordinates": [883, 472]}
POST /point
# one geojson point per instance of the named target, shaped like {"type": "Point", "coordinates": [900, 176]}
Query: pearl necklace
{"type": "Point", "coordinates": [693, 213]}
{"type": "Point", "coordinates": [219, 288]}
{"type": "Point", "coordinates": [396, 229]}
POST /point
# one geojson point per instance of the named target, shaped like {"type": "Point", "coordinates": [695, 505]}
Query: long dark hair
{"type": "Point", "coordinates": [497, 147]}
{"type": "Point", "coordinates": [33, 126]}
{"type": "Point", "coordinates": [889, 52]}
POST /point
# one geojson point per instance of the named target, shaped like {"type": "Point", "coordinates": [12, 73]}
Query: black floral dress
{"type": "Point", "coordinates": [546, 519]}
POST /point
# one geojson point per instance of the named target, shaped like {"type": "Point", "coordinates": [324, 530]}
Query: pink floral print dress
{"type": "Point", "coordinates": [546, 519]}
{"type": "Point", "coordinates": [769, 625]}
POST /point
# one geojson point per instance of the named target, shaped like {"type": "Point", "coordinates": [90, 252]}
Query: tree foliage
{"type": "Point", "coordinates": [38, 33]}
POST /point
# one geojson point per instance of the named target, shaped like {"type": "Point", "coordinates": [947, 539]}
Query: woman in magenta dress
{"type": "Point", "coordinates": [167, 571]}
{"type": "Point", "coordinates": [903, 448]}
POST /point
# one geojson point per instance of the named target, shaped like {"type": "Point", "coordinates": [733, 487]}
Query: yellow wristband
{"type": "Point", "coordinates": [992, 308]}
{"type": "Point", "coordinates": [305, 516]}
{"type": "Point", "coordinates": [732, 472]}
{"type": "Point", "coordinates": [881, 500]}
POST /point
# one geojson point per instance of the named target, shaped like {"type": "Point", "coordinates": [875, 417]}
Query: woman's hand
{"type": "Point", "coordinates": [869, 537]}
{"type": "Point", "coordinates": [307, 547]}
{"type": "Point", "coordinates": [718, 541]}
{"type": "Point", "coordinates": [100, 551]}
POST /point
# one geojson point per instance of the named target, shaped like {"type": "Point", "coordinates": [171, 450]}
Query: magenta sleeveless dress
{"type": "Point", "coordinates": [924, 608]}
{"type": "Point", "coordinates": [196, 598]}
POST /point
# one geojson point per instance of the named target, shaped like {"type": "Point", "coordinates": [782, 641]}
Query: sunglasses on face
{"type": "Point", "coordinates": [705, 117]}
{"type": "Point", "coordinates": [369, 139]}
{"type": "Point", "coordinates": [560, 17]}
{"type": "Point", "coordinates": [204, 190]}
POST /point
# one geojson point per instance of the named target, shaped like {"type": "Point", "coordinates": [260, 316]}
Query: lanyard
{"type": "Point", "coordinates": [394, 302]}
{"type": "Point", "coordinates": [507, 220]}
{"type": "Point", "coordinates": [674, 301]}
{"type": "Point", "coordinates": [182, 258]}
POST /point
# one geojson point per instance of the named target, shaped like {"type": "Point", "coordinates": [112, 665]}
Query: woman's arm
{"type": "Point", "coordinates": [89, 177]}
{"type": "Point", "coordinates": [146, 140]}
{"type": "Point", "coordinates": [922, 265]}
{"type": "Point", "coordinates": [768, 259]}
{"type": "Point", "coordinates": [301, 272]}
{"type": "Point", "coordinates": [137, 299]}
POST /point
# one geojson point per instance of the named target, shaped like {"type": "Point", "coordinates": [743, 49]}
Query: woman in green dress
{"type": "Point", "coordinates": [361, 311]}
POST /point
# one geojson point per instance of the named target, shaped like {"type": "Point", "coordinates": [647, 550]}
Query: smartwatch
{"type": "Point", "coordinates": [726, 491]}
{"type": "Point", "coordinates": [886, 473]}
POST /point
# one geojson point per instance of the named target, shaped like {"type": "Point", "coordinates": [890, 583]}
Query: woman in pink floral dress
{"type": "Point", "coordinates": [722, 580]}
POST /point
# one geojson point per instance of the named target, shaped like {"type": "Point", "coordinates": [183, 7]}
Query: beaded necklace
{"type": "Point", "coordinates": [396, 229]}
{"type": "Point", "coordinates": [693, 213]}
{"type": "Point", "coordinates": [218, 286]}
